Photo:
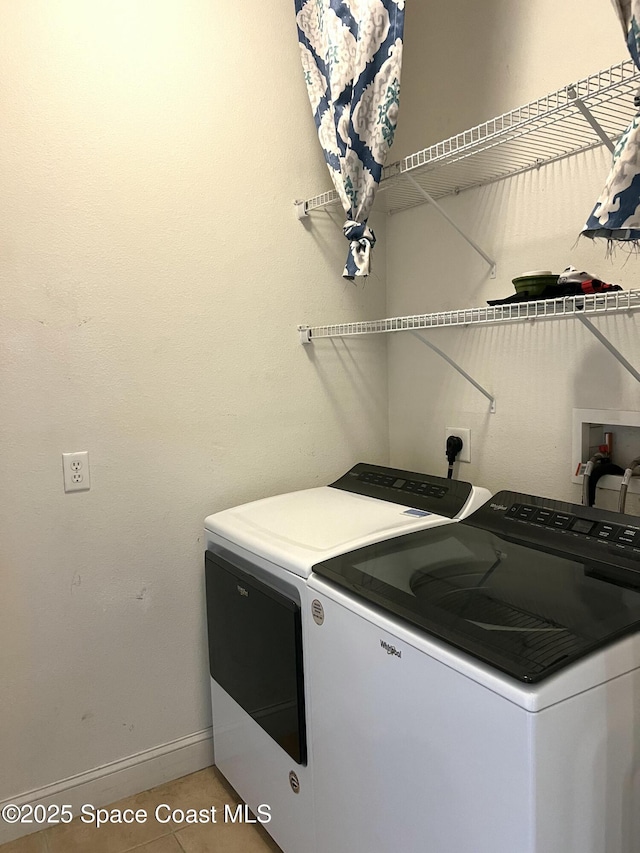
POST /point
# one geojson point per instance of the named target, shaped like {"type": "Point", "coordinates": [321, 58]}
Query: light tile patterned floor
{"type": "Point", "coordinates": [199, 791]}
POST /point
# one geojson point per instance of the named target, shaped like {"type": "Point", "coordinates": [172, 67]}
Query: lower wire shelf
{"type": "Point", "coordinates": [581, 308]}
{"type": "Point", "coordinates": [617, 301]}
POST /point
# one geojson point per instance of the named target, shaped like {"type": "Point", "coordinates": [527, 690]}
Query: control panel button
{"type": "Point", "coordinates": [513, 511]}
{"type": "Point", "coordinates": [384, 480]}
{"type": "Point", "coordinates": [381, 480]}
{"type": "Point", "coordinates": [606, 531]}
{"type": "Point", "coordinates": [526, 513]}
{"type": "Point", "coordinates": [560, 520]}
{"type": "Point", "coordinates": [628, 536]}
{"type": "Point", "coordinates": [543, 516]}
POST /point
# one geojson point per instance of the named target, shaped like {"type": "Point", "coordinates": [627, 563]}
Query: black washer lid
{"type": "Point", "coordinates": [526, 585]}
{"type": "Point", "coordinates": [407, 488]}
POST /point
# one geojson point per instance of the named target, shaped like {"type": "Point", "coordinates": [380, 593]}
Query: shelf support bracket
{"type": "Point", "coordinates": [428, 198]}
{"type": "Point", "coordinates": [305, 334]}
{"type": "Point", "coordinates": [449, 360]}
{"type": "Point", "coordinates": [301, 209]}
{"type": "Point", "coordinates": [607, 343]}
{"type": "Point", "coordinates": [595, 124]}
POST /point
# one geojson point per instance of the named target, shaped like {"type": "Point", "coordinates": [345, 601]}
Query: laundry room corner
{"type": "Point", "coordinates": [152, 276]}
{"type": "Point", "coordinates": [320, 431]}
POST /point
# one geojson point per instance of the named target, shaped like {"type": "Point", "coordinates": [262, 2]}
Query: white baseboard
{"type": "Point", "coordinates": [111, 782]}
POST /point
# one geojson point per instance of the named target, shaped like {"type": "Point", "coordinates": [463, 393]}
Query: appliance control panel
{"type": "Point", "coordinates": [624, 534]}
{"type": "Point", "coordinates": [418, 487]}
{"type": "Point", "coordinates": [577, 531]}
{"type": "Point", "coordinates": [408, 488]}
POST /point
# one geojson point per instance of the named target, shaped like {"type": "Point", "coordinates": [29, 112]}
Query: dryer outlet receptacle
{"type": "Point", "coordinates": [465, 435]}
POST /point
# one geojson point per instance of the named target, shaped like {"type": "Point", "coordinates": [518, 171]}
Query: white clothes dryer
{"type": "Point", "coordinates": [258, 560]}
{"type": "Point", "coordinates": [476, 687]}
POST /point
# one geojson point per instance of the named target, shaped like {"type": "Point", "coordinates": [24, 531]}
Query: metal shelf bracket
{"type": "Point", "coordinates": [449, 360]}
{"type": "Point", "coordinates": [305, 334]}
{"type": "Point", "coordinates": [301, 209]}
{"type": "Point", "coordinates": [607, 343]}
{"type": "Point", "coordinates": [429, 198]}
{"type": "Point", "coordinates": [595, 124]}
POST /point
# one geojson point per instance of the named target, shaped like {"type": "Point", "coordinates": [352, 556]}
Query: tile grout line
{"type": "Point", "coordinates": [126, 850]}
{"type": "Point", "coordinates": [179, 842]}
{"type": "Point", "coordinates": [144, 843]}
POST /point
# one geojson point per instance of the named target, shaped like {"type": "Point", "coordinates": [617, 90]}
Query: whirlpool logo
{"type": "Point", "coordinates": [498, 507]}
{"type": "Point", "coordinates": [390, 650]}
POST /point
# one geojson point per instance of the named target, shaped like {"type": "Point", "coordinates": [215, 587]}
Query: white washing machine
{"type": "Point", "coordinates": [476, 687]}
{"type": "Point", "coordinates": [259, 557]}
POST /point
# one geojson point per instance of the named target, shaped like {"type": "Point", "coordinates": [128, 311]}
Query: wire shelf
{"type": "Point", "coordinates": [616, 301]}
{"type": "Point", "coordinates": [542, 131]}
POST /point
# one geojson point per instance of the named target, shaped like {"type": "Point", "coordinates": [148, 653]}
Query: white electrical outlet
{"type": "Point", "coordinates": [75, 470]}
{"type": "Point", "coordinates": [465, 435]}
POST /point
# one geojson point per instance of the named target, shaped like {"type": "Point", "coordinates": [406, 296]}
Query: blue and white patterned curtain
{"type": "Point", "coordinates": [616, 215]}
{"type": "Point", "coordinates": [351, 56]}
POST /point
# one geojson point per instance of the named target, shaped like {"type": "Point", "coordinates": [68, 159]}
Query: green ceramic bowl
{"type": "Point", "coordinates": [535, 282]}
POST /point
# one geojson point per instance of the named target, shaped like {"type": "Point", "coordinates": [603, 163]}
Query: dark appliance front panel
{"type": "Point", "coordinates": [255, 651]}
{"type": "Point", "coordinates": [525, 584]}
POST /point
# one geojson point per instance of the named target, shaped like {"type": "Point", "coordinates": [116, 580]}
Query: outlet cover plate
{"type": "Point", "coordinates": [75, 471]}
{"type": "Point", "coordinates": [465, 435]}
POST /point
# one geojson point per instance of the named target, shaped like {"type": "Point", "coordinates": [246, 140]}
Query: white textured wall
{"type": "Point", "coordinates": [460, 71]}
{"type": "Point", "coordinates": [152, 274]}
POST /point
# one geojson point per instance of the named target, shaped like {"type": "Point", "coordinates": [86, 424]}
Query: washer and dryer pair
{"type": "Point", "coordinates": [384, 678]}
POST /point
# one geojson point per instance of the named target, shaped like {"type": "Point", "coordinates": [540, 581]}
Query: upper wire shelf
{"type": "Point", "coordinates": [527, 137]}
{"type": "Point", "coordinates": [544, 309]}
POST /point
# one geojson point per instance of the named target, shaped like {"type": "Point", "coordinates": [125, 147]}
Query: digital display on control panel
{"type": "Point", "coordinates": [398, 484]}
{"type": "Point", "coordinates": [582, 525]}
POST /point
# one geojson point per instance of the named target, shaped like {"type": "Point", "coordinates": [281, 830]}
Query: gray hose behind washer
{"type": "Point", "coordinates": [587, 476]}
{"type": "Point", "coordinates": [624, 485]}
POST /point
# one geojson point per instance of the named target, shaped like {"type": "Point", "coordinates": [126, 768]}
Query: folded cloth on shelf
{"type": "Point", "coordinates": [558, 291]}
